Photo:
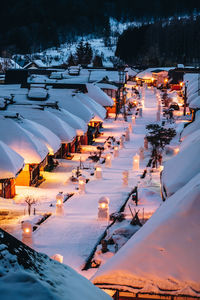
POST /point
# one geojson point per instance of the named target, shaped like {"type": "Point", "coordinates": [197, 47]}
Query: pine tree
{"type": "Point", "coordinates": [97, 61]}
{"type": "Point", "coordinates": [88, 53]}
{"type": "Point", "coordinates": [71, 60]}
{"type": "Point", "coordinates": [80, 51]}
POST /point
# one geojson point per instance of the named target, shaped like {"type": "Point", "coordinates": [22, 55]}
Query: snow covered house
{"type": "Point", "coordinates": [27, 274]}
{"type": "Point", "coordinates": [161, 261]}
{"type": "Point", "coordinates": [28, 146]}
{"type": "Point", "coordinates": [42, 116]}
{"type": "Point", "coordinates": [35, 64]}
{"type": "Point", "coordinates": [11, 164]}
{"type": "Point", "coordinates": [111, 90]}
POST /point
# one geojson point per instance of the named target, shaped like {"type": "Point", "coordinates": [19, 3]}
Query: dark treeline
{"type": "Point", "coordinates": [163, 43]}
{"type": "Point", "coordinates": [32, 25]}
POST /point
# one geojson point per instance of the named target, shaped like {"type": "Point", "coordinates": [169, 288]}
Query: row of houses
{"type": "Point", "coordinates": [43, 117]}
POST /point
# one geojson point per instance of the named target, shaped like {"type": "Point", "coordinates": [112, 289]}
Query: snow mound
{"type": "Point", "coordinates": [35, 276]}
{"type": "Point", "coordinates": [163, 256]}
{"type": "Point", "coordinates": [37, 94]}
{"type": "Point", "coordinates": [195, 125]}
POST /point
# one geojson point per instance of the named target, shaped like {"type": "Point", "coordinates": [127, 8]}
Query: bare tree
{"type": "Point", "coordinates": [30, 201]}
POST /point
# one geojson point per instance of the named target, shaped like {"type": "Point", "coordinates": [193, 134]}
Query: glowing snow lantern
{"type": "Point", "coordinates": [145, 143]}
{"type": "Point", "coordinates": [133, 120]}
{"type": "Point", "coordinates": [130, 127]}
{"type": "Point", "coordinates": [176, 150]}
{"type": "Point", "coordinates": [59, 204]}
{"type": "Point", "coordinates": [58, 258]}
{"type": "Point", "coordinates": [125, 176]}
{"type": "Point", "coordinates": [82, 183]}
{"type": "Point", "coordinates": [161, 168]}
{"type": "Point", "coordinates": [136, 162]}
{"type": "Point", "coordinates": [108, 160]}
{"type": "Point", "coordinates": [141, 152]}
{"type": "Point", "coordinates": [116, 151]}
{"type": "Point", "coordinates": [98, 172]}
{"type": "Point", "coordinates": [121, 142]}
{"type": "Point", "coordinates": [27, 230]}
{"type": "Point", "coordinates": [103, 208]}
{"type": "Point", "coordinates": [127, 136]}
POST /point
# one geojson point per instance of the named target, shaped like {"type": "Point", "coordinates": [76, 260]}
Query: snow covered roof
{"type": "Point", "coordinates": [97, 109]}
{"type": "Point", "coordinates": [9, 63]}
{"type": "Point", "coordinates": [43, 134]}
{"type": "Point", "coordinates": [147, 74]}
{"type": "Point", "coordinates": [60, 128]}
{"type": "Point", "coordinates": [162, 258]}
{"type": "Point", "coordinates": [107, 86]}
{"type": "Point", "coordinates": [98, 95]}
{"type": "Point", "coordinates": [37, 94]}
{"type": "Point", "coordinates": [68, 100]}
{"type": "Point", "coordinates": [75, 122]}
{"type": "Point", "coordinates": [130, 71]}
{"type": "Point", "coordinates": [27, 274]}
{"type": "Point", "coordinates": [22, 141]}
{"type": "Point", "coordinates": [10, 162]}
{"type": "Point", "coordinates": [181, 168]}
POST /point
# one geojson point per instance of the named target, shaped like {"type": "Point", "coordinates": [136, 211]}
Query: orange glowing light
{"type": "Point", "coordinates": [103, 205]}
{"type": "Point", "coordinates": [81, 182]}
{"type": "Point", "coordinates": [26, 230]}
{"type": "Point", "coordinates": [59, 202]}
{"type": "Point", "coordinates": [181, 84]}
{"type": "Point", "coordinates": [166, 80]}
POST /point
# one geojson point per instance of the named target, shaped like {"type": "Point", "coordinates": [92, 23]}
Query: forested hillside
{"type": "Point", "coordinates": [162, 43]}
{"type": "Point", "coordinates": [32, 25]}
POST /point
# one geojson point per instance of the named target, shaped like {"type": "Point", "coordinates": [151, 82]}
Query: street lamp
{"type": "Point", "coordinates": [185, 99]}
{"type": "Point", "coordinates": [121, 92]}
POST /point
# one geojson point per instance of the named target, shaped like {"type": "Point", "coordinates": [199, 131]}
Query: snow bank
{"type": "Point", "coordinates": [35, 276]}
{"type": "Point", "coordinates": [10, 162]}
{"type": "Point", "coordinates": [195, 104]}
{"type": "Point", "coordinates": [163, 256]}
{"type": "Point", "coordinates": [98, 95]}
{"type": "Point", "coordinates": [182, 167]}
{"type": "Point", "coordinates": [22, 141]}
{"type": "Point", "coordinates": [195, 125]}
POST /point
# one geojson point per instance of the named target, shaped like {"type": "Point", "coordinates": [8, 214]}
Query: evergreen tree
{"type": "Point", "coordinates": [80, 51]}
{"type": "Point", "coordinates": [97, 61]}
{"type": "Point", "coordinates": [87, 54]}
{"type": "Point", "coordinates": [71, 60]}
{"type": "Point", "coordinates": [107, 32]}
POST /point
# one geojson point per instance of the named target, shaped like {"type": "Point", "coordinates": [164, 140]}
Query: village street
{"type": "Point", "coordinates": [75, 234]}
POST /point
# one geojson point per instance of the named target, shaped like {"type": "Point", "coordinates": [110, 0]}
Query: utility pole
{"type": "Point", "coordinates": [185, 99]}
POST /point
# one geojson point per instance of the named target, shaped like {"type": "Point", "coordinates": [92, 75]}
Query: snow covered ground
{"type": "Point", "coordinates": [75, 234]}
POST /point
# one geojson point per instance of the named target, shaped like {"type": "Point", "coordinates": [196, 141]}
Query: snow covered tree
{"type": "Point", "coordinates": [87, 54]}
{"type": "Point", "coordinates": [80, 51]}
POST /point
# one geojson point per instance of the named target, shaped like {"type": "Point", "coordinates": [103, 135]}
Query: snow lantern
{"type": "Point", "coordinates": [127, 136]}
{"type": "Point", "coordinates": [116, 151]}
{"type": "Point", "coordinates": [125, 176]}
{"type": "Point", "coordinates": [158, 116]}
{"type": "Point", "coordinates": [136, 162]}
{"type": "Point", "coordinates": [140, 111]}
{"type": "Point", "coordinates": [121, 142]}
{"type": "Point", "coordinates": [82, 182]}
{"type": "Point", "coordinates": [103, 208]}
{"type": "Point", "coordinates": [145, 143]}
{"type": "Point", "coordinates": [141, 151]}
{"type": "Point", "coordinates": [133, 120]}
{"type": "Point", "coordinates": [130, 127]}
{"type": "Point", "coordinates": [58, 258]}
{"type": "Point", "coordinates": [27, 230]}
{"type": "Point", "coordinates": [98, 172]}
{"type": "Point", "coordinates": [59, 204]}
{"type": "Point", "coordinates": [176, 150]}
{"type": "Point", "coordinates": [108, 160]}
